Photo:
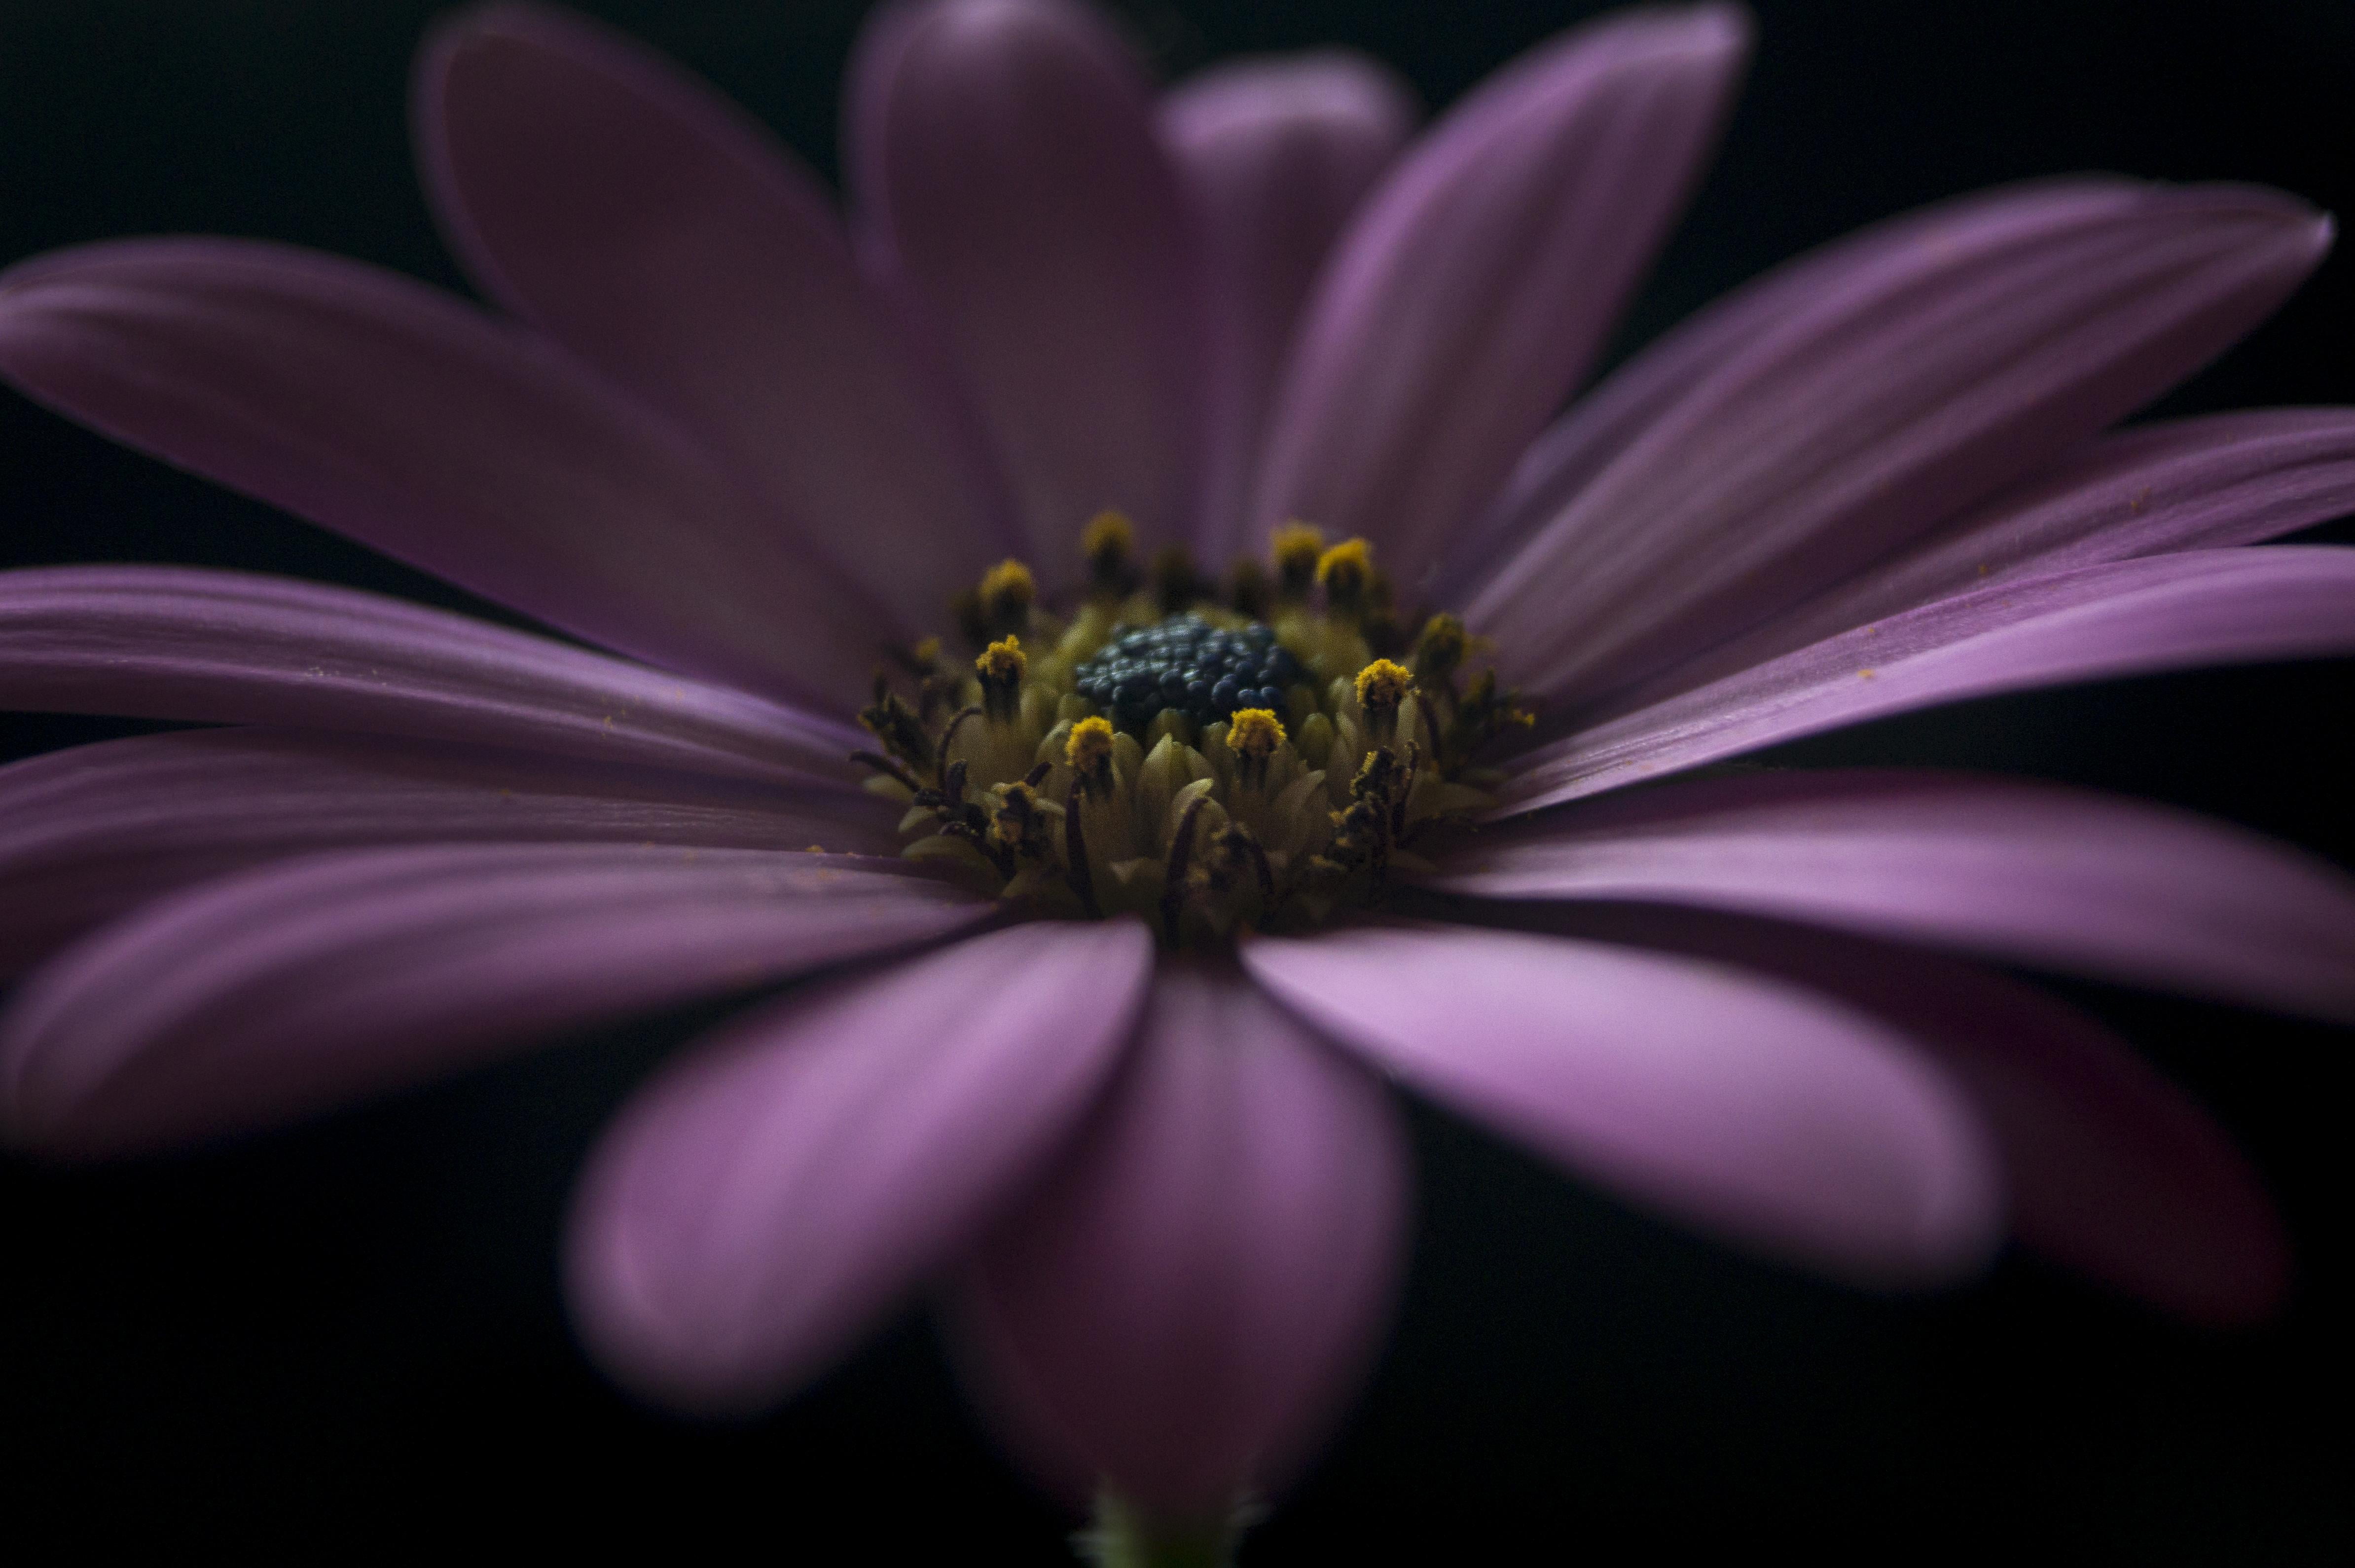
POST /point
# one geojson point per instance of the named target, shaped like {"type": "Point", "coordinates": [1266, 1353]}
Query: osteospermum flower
{"type": "Point", "coordinates": [1127, 611]}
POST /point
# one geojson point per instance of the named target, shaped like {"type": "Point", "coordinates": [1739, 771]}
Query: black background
{"type": "Point", "coordinates": [315, 1341]}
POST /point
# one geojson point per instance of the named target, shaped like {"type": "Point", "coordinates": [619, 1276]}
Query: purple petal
{"type": "Point", "coordinates": [1922, 383]}
{"type": "Point", "coordinates": [1480, 281]}
{"type": "Point", "coordinates": [2029, 873]}
{"type": "Point", "coordinates": [1003, 154]}
{"type": "Point", "coordinates": [1745, 1107]}
{"type": "Point", "coordinates": [89, 832]}
{"type": "Point", "coordinates": [1601, 425]}
{"type": "Point", "coordinates": [162, 641]}
{"type": "Point", "coordinates": [1278, 152]}
{"type": "Point", "coordinates": [418, 425]}
{"type": "Point", "coordinates": [2226, 479]}
{"type": "Point", "coordinates": [1186, 1302]}
{"type": "Point", "coordinates": [294, 988]}
{"type": "Point", "coordinates": [763, 1201]}
{"type": "Point", "coordinates": [2111, 1169]}
{"type": "Point", "coordinates": [640, 218]}
{"type": "Point", "coordinates": [2202, 607]}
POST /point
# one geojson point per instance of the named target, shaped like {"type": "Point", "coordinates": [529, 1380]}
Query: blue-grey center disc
{"type": "Point", "coordinates": [1203, 671]}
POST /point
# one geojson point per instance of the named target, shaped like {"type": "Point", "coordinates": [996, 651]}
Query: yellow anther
{"type": "Point", "coordinates": [1089, 748]}
{"type": "Point", "coordinates": [926, 653]}
{"type": "Point", "coordinates": [1108, 544]}
{"type": "Point", "coordinates": [1001, 669]}
{"type": "Point", "coordinates": [1016, 814]}
{"type": "Point", "coordinates": [1254, 732]}
{"type": "Point", "coordinates": [1008, 593]}
{"type": "Point", "coordinates": [1441, 647]}
{"type": "Point", "coordinates": [1345, 572]}
{"type": "Point", "coordinates": [1003, 663]}
{"type": "Point", "coordinates": [1296, 548]}
{"type": "Point", "coordinates": [1382, 686]}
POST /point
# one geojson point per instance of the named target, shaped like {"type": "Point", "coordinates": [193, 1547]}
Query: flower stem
{"type": "Point", "coordinates": [1124, 1538]}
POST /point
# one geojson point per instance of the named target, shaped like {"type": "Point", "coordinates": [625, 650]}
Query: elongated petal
{"type": "Point", "coordinates": [1750, 1109]}
{"type": "Point", "coordinates": [2226, 479]}
{"type": "Point", "coordinates": [1481, 281]}
{"type": "Point", "coordinates": [1003, 153]}
{"type": "Point", "coordinates": [2058, 879]}
{"type": "Point", "coordinates": [89, 832]}
{"type": "Point", "coordinates": [1180, 1309]}
{"type": "Point", "coordinates": [1960, 363]}
{"type": "Point", "coordinates": [1277, 151]}
{"type": "Point", "coordinates": [765, 1200]}
{"type": "Point", "coordinates": [2111, 1169]}
{"type": "Point", "coordinates": [160, 641]}
{"type": "Point", "coordinates": [1601, 425]}
{"type": "Point", "coordinates": [297, 987]}
{"type": "Point", "coordinates": [418, 425]}
{"type": "Point", "coordinates": [645, 223]}
{"type": "Point", "coordinates": [2202, 607]}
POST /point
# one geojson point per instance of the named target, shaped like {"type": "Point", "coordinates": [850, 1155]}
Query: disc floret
{"type": "Point", "coordinates": [1158, 751]}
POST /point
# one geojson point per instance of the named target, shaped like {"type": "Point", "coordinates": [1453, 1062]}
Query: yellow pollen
{"type": "Point", "coordinates": [1003, 663]}
{"type": "Point", "coordinates": [1108, 539]}
{"type": "Point", "coordinates": [1254, 732]}
{"type": "Point", "coordinates": [1442, 645]}
{"type": "Point", "coordinates": [1296, 548]}
{"type": "Point", "coordinates": [1008, 593]}
{"type": "Point", "coordinates": [1090, 746]}
{"type": "Point", "coordinates": [1018, 809]}
{"type": "Point", "coordinates": [1346, 571]}
{"type": "Point", "coordinates": [1384, 684]}
{"type": "Point", "coordinates": [927, 652]}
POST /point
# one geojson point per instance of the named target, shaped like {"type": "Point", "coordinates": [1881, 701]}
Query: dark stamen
{"type": "Point", "coordinates": [1076, 868]}
{"type": "Point", "coordinates": [1181, 857]}
{"type": "Point", "coordinates": [948, 736]}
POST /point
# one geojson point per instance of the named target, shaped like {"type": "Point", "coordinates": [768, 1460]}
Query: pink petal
{"type": "Point", "coordinates": [297, 987]}
{"type": "Point", "coordinates": [417, 424]}
{"type": "Point", "coordinates": [2202, 607]}
{"type": "Point", "coordinates": [766, 1200]}
{"type": "Point", "coordinates": [1480, 281]}
{"type": "Point", "coordinates": [1003, 154]}
{"type": "Point", "coordinates": [2225, 479]}
{"type": "Point", "coordinates": [644, 221]}
{"type": "Point", "coordinates": [1957, 364]}
{"type": "Point", "coordinates": [1747, 1108]}
{"type": "Point", "coordinates": [1278, 152]}
{"type": "Point", "coordinates": [2111, 1169]}
{"type": "Point", "coordinates": [89, 832]}
{"type": "Point", "coordinates": [2022, 872]}
{"type": "Point", "coordinates": [1601, 426]}
{"type": "Point", "coordinates": [1184, 1306]}
{"type": "Point", "coordinates": [166, 642]}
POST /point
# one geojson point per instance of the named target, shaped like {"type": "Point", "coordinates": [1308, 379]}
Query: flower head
{"type": "Point", "coordinates": [1124, 914]}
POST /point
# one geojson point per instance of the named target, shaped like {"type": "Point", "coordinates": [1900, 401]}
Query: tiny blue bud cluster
{"type": "Point", "coordinates": [1186, 664]}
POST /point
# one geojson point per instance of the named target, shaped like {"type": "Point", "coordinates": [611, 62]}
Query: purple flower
{"type": "Point", "coordinates": [1152, 1153]}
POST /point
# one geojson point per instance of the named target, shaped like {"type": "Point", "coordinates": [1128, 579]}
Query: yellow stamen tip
{"type": "Point", "coordinates": [1347, 570]}
{"type": "Point", "coordinates": [1296, 548]}
{"type": "Point", "coordinates": [1089, 745]}
{"type": "Point", "coordinates": [927, 652]}
{"type": "Point", "coordinates": [1002, 662]}
{"type": "Point", "coordinates": [1383, 684]}
{"type": "Point", "coordinates": [1007, 591]}
{"type": "Point", "coordinates": [1254, 732]}
{"type": "Point", "coordinates": [1442, 645]}
{"type": "Point", "coordinates": [1108, 535]}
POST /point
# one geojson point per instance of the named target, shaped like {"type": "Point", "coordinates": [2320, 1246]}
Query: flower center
{"type": "Point", "coordinates": [1207, 756]}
